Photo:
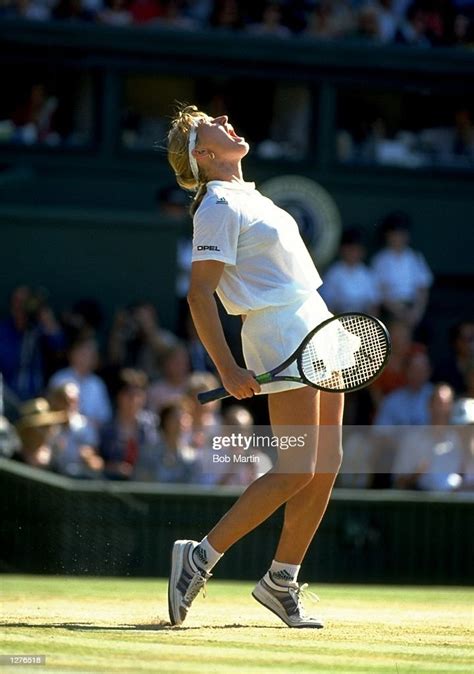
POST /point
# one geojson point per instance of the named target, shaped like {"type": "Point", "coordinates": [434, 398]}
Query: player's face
{"type": "Point", "coordinates": [217, 135]}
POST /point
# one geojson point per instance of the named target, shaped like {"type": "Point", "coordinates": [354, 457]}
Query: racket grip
{"type": "Point", "coordinates": [215, 394]}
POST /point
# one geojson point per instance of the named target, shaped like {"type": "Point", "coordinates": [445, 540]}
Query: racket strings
{"type": "Point", "coordinates": [346, 353]}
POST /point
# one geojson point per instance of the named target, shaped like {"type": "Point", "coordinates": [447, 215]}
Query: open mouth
{"type": "Point", "coordinates": [231, 133]}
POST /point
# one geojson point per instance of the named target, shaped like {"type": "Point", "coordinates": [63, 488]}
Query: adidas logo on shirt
{"type": "Point", "coordinates": [221, 200]}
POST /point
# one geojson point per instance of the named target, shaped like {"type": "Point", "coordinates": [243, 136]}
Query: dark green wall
{"type": "Point", "coordinates": [52, 524]}
{"type": "Point", "coordinates": [114, 259]}
{"type": "Point", "coordinates": [85, 220]}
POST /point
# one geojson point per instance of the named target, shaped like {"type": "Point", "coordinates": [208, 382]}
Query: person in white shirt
{"type": "Point", "coordinates": [402, 274]}
{"type": "Point", "coordinates": [250, 252]}
{"type": "Point", "coordinates": [94, 401]}
{"type": "Point", "coordinates": [349, 285]}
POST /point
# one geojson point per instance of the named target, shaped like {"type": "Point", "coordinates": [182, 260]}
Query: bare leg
{"type": "Point", "coordinates": [305, 510]}
{"type": "Point", "coordinates": [297, 407]}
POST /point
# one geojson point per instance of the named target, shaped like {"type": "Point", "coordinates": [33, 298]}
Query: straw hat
{"type": "Point", "coordinates": [37, 413]}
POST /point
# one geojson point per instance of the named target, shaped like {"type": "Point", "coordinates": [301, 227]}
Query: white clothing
{"type": "Point", "coordinates": [94, 400]}
{"type": "Point", "coordinates": [400, 275]}
{"type": "Point", "coordinates": [266, 262]}
{"type": "Point", "coordinates": [272, 334]}
{"type": "Point", "coordinates": [268, 275]}
{"type": "Point", "coordinates": [438, 457]}
{"type": "Point", "coordinates": [349, 288]}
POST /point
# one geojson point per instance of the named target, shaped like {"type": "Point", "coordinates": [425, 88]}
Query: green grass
{"type": "Point", "coordinates": [94, 625]}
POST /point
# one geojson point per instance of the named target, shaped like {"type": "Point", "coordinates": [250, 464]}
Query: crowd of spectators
{"type": "Point", "coordinates": [406, 22]}
{"type": "Point", "coordinates": [121, 403]}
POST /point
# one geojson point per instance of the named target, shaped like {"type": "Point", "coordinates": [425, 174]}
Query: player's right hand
{"type": "Point", "coordinates": [239, 382]}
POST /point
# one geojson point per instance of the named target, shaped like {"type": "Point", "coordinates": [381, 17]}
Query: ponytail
{"type": "Point", "coordinates": [184, 122]}
{"type": "Point", "coordinates": [200, 194]}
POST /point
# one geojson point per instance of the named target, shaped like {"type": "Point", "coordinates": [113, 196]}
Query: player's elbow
{"type": "Point", "coordinates": [197, 295]}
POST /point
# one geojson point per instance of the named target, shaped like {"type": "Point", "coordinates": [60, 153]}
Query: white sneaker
{"type": "Point", "coordinates": [186, 581]}
{"type": "Point", "coordinates": [285, 602]}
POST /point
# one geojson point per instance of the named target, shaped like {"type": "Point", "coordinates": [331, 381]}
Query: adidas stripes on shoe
{"type": "Point", "coordinates": [186, 581]}
{"type": "Point", "coordinates": [284, 600]}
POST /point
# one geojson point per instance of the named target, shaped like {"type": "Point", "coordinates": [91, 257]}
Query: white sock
{"type": "Point", "coordinates": [282, 573]}
{"type": "Point", "coordinates": [205, 556]}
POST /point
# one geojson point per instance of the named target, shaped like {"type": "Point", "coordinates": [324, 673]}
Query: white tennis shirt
{"type": "Point", "coordinates": [266, 260]}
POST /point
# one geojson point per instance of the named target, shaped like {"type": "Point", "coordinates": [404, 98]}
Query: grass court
{"type": "Point", "coordinates": [95, 625]}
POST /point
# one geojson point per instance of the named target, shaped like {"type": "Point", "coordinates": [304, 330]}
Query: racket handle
{"type": "Point", "coordinates": [215, 394]}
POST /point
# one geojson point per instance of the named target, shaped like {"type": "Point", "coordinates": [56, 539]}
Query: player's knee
{"type": "Point", "coordinates": [330, 461]}
{"type": "Point", "coordinates": [338, 457]}
{"type": "Point", "coordinates": [289, 484]}
{"type": "Point", "coordinates": [292, 483]}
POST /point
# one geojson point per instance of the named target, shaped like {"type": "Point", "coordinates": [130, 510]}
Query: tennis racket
{"type": "Point", "coordinates": [342, 354]}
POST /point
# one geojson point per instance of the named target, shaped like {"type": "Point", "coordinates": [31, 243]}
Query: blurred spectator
{"type": "Point", "coordinates": [128, 444]}
{"type": "Point", "coordinates": [330, 19]}
{"type": "Point", "coordinates": [387, 20]}
{"type": "Point", "coordinates": [36, 428]}
{"type": "Point", "coordinates": [72, 10]}
{"type": "Point", "coordinates": [394, 375]}
{"type": "Point", "coordinates": [402, 275]}
{"type": "Point", "coordinates": [198, 356]}
{"type": "Point", "coordinates": [173, 382]}
{"type": "Point", "coordinates": [32, 10]}
{"type": "Point", "coordinates": [463, 417]}
{"type": "Point", "coordinates": [83, 320]}
{"type": "Point", "coordinates": [205, 422]}
{"type": "Point", "coordinates": [271, 23]}
{"type": "Point", "coordinates": [206, 418]}
{"type": "Point", "coordinates": [226, 15]}
{"type": "Point", "coordinates": [431, 458]}
{"type": "Point", "coordinates": [75, 445]}
{"type": "Point", "coordinates": [94, 400]}
{"type": "Point", "coordinates": [173, 202]}
{"type": "Point", "coordinates": [175, 464]}
{"type": "Point", "coordinates": [137, 340]}
{"type": "Point", "coordinates": [455, 366]}
{"type": "Point", "coordinates": [200, 11]}
{"type": "Point", "coordinates": [469, 380]}
{"type": "Point", "coordinates": [116, 13]}
{"type": "Point", "coordinates": [463, 142]}
{"type": "Point", "coordinates": [439, 16]}
{"type": "Point", "coordinates": [463, 28]}
{"type": "Point", "coordinates": [358, 462]}
{"type": "Point", "coordinates": [368, 27]}
{"type": "Point", "coordinates": [463, 411]}
{"type": "Point", "coordinates": [30, 343]}
{"type": "Point", "coordinates": [237, 419]}
{"type": "Point", "coordinates": [9, 439]}
{"type": "Point", "coordinates": [413, 30]}
{"type": "Point", "coordinates": [174, 16]}
{"type": "Point", "coordinates": [33, 117]}
{"type": "Point", "coordinates": [145, 11]}
{"type": "Point", "coordinates": [290, 124]}
{"type": "Point", "coordinates": [349, 285]}
{"type": "Point", "coordinates": [409, 405]}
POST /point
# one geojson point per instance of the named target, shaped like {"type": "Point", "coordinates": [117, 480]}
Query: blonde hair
{"type": "Point", "coordinates": [185, 120]}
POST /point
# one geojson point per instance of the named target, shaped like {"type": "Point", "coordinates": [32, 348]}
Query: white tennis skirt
{"type": "Point", "coordinates": [272, 334]}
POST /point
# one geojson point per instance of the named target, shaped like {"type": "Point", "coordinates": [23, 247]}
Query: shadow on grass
{"type": "Point", "coordinates": [159, 626]}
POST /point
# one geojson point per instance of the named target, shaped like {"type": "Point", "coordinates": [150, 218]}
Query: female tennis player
{"type": "Point", "coordinates": [250, 252]}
